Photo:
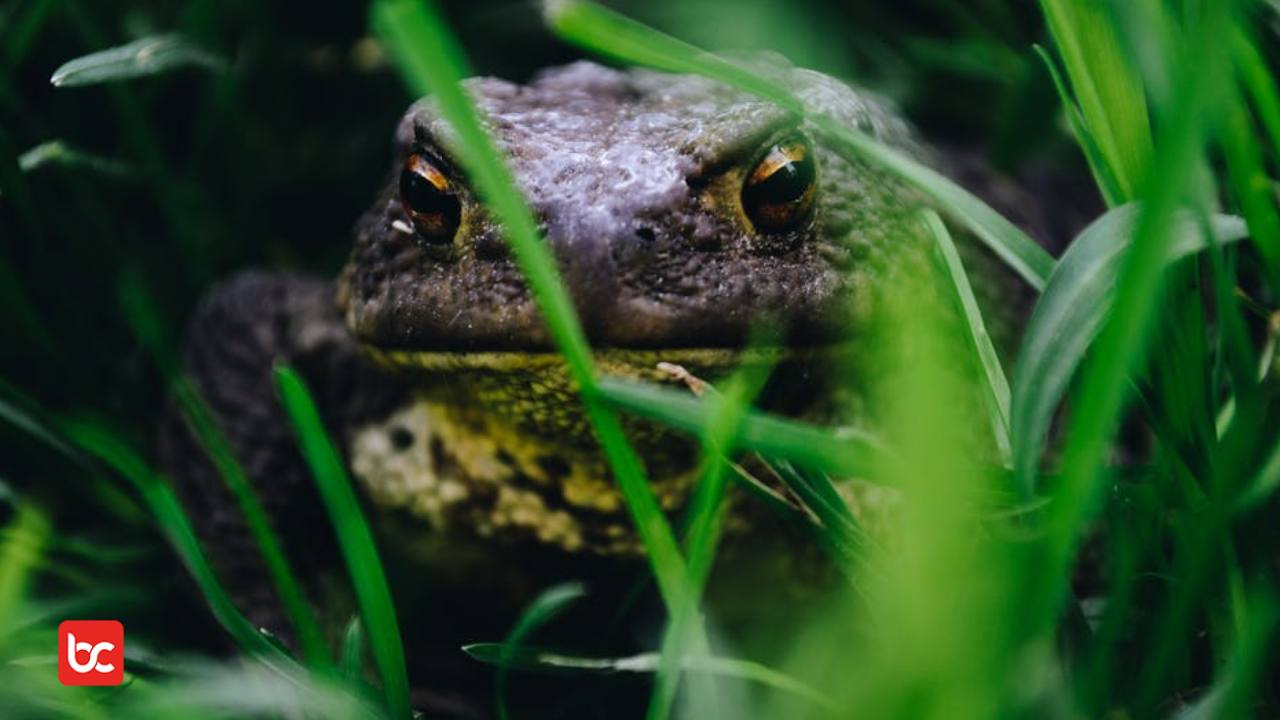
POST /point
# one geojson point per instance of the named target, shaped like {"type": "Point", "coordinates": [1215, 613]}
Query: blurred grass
{"type": "Point", "coordinates": [850, 452]}
{"type": "Point", "coordinates": [1107, 89]}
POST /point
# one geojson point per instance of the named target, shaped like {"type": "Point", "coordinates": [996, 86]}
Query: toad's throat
{"type": "Point", "coordinates": [497, 443]}
{"type": "Point", "coordinates": [462, 471]}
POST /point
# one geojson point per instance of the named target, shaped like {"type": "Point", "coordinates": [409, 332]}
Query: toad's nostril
{"type": "Point", "coordinates": [646, 233]}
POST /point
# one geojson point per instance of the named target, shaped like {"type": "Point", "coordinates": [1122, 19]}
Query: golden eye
{"type": "Point", "coordinates": [778, 194]}
{"type": "Point", "coordinates": [429, 200]}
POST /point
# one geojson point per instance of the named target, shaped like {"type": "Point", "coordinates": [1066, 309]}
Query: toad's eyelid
{"type": "Point", "coordinates": [725, 150]}
{"type": "Point", "coordinates": [425, 144]}
{"type": "Point", "coordinates": [433, 155]}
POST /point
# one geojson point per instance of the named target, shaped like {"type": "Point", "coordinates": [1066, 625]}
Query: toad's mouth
{"type": "Point", "coordinates": [535, 393]}
{"type": "Point", "coordinates": [649, 363]}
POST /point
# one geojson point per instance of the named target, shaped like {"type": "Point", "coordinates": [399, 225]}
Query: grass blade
{"type": "Point", "coordinates": [18, 417]}
{"type": "Point", "coordinates": [683, 632]}
{"type": "Point", "coordinates": [24, 540]}
{"type": "Point", "coordinates": [997, 386]}
{"type": "Point", "coordinates": [1233, 694]}
{"type": "Point", "coordinates": [846, 452]}
{"type": "Point", "coordinates": [1110, 93]}
{"type": "Point", "coordinates": [546, 606]}
{"type": "Point", "coordinates": [1257, 79]}
{"type": "Point", "coordinates": [140, 58]}
{"type": "Point", "coordinates": [614, 35]}
{"type": "Point", "coordinates": [60, 154]}
{"type": "Point", "coordinates": [543, 660]}
{"type": "Point", "coordinates": [1251, 185]}
{"type": "Point", "coordinates": [215, 444]}
{"type": "Point", "coordinates": [431, 61]}
{"type": "Point", "coordinates": [1070, 315]}
{"type": "Point", "coordinates": [1098, 166]}
{"type": "Point", "coordinates": [1263, 485]}
{"type": "Point", "coordinates": [820, 496]}
{"type": "Point", "coordinates": [354, 538]}
{"type": "Point", "coordinates": [1009, 243]}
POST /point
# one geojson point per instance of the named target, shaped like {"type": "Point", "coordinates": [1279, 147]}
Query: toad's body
{"type": "Point", "coordinates": [683, 214]}
{"type": "Point", "coordinates": [639, 182]}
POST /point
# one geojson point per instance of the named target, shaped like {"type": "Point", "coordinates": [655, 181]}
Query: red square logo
{"type": "Point", "coordinates": [91, 652]}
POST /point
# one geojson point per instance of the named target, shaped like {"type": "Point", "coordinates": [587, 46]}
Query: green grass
{"type": "Point", "coordinates": [354, 538]}
{"type": "Point", "coordinates": [1121, 522]}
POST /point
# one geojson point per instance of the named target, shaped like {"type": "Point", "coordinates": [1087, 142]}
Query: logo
{"type": "Point", "coordinates": [91, 652]}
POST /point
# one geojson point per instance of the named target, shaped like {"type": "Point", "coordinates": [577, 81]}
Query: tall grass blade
{"type": "Point", "coordinates": [354, 538]}
{"type": "Point", "coordinates": [351, 661]}
{"type": "Point", "coordinates": [1010, 244]}
{"type": "Point", "coordinates": [1258, 81]}
{"type": "Point", "coordinates": [430, 60]}
{"type": "Point", "coordinates": [24, 540]}
{"type": "Point", "coordinates": [705, 523]}
{"type": "Point", "coordinates": [1264, 484]}
{"type": "Point", "coordinates": [996, 386]}
{"type": "Point", "coordinates": [1232, 695]}
{"type": "Point", "coordinates": [17, 416]}
{"type": "Point", "coordinates": [1108, 89]}
{"type": "Point", "coordinates": [614, 35]}
{"type": "Point", "coordinates": [1253, 188]}
{"type": "Point", "coordinates": [821, 498]}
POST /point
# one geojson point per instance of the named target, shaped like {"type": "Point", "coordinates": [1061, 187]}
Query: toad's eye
{"type": "Point", "coordinates": [778, 194]}
{"type": "Point", "coordinates": [428, 198]}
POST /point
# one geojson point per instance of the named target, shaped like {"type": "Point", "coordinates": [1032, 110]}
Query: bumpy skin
{"type": "Point", "coordinates": [436, 374]}
{"type": "Point", "coordinates": [635, 177]}
{"type": "Point", "coordinates": [250, 323]}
